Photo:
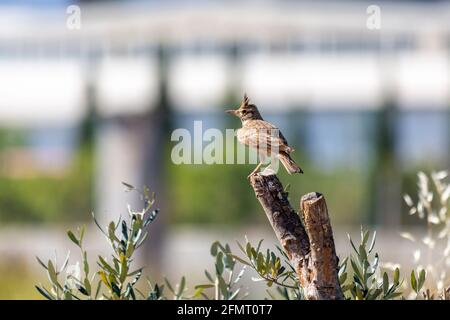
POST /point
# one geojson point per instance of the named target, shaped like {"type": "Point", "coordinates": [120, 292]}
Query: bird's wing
{"type": "Point", "coordinates": [257, 132]}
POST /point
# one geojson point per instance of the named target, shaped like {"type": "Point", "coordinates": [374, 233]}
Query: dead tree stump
{"type": "Point", "coordinates": [308, 244]}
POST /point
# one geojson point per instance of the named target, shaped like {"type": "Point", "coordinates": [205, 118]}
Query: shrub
{"type": "Point", "coordinates": [432, 252]}
{"type": "Point", "coordinates": [360, 274]}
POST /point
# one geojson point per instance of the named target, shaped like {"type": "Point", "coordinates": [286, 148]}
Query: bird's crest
{"type": "Point", "coordinates": [245, 103]}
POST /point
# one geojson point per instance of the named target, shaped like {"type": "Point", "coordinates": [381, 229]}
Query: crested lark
{"type": "Point", "coordinates": [264, 136]}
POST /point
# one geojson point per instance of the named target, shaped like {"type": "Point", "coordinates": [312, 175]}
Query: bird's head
{"type": "Point", "coordinates": [246, 110]}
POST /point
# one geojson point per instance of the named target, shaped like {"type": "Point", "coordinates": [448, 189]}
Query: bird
{"type": "Point", "coordinates": [263, 136]}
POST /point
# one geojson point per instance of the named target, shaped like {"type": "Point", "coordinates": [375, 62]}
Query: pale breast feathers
{"type": "Point", "coordinates": [256, 133]}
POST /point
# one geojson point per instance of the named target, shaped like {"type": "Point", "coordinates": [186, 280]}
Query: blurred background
{"type": "Point", "coordinates": [88, 103]}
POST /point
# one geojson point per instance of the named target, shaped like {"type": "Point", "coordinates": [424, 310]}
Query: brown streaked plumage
{"type": "Point", "coordinates": [263, 136]}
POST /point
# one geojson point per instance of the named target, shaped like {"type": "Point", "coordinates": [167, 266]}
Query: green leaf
{"type": "Point", "coordinates": [359, 294]}
{"type": "Point", "coordinates": [181, 286]}
{"type": "Point", "coordinates": [364, 236]}
{"type": "Point", "coordinates": [273, 257]}
{"type": "Point", "coordinates": [346, 287]}
{"type": "Point", "coordinates": [421, 280]}
{"type": "Point", "coordinates": [214, 248]}
{"type": "Point", "coordinates": [254, 253]}
{"type": "Point", "coordinates": [240, 246]}
{"type": "Point", "coordinates": [123, 268]}
{"type": "Point", "coordinates": [129, 292]}
{"type": "Point", "coordinates": [104, 278]}
{"type": "Point", "coordinates": [385, 283]}
{"type": "Point", "coordinates": [111, 232]}
{"type": "Point", "coordinates": [169, 285]}
{"type": "Point", "coordinates": [41, 263]}
{"type": "Point", "coordinates": [151, 217]}
{"type": "Point", "coordinates": [241, 260]}
{"type": "Point", "coordinates": [248, 250]}
{"type": "Point", "coordinates": [269, 258]}
{"type": "Point", "coordinates": [204, 286]}
{"type": "Point", "coordinates": [396, 276]}
{"type": "Point", "coordinates": [136, 235]}
{"type": "Point", "coordinates": [414, 281]}
{"type": "Point", "coordinates": [124, 230]}
{"type": "Point", "coordinates": [223, 287]}
{"type": "Point", "coordinates": [105, 265]}
{"type": "Point", "coordinates": [356, 269]}
{"type": "Point", "coordinates": [45, 293]}
{"type": "Point", "coordinates": [259, 245]}
{"type": "Point", "coordinates": [351, 242]}
{"type": "Point", "coordinates": [52, 273]}
{"type": "Point", "coordinates": [83, 290]}
{"type": "Point", "coordinates": [135, 272]}
{"type": "Point", "coordinates": [375, 261]}
{"type": "Point", "coordinates": [260, 263]}
{"type": "Point", "coordinates": [358, 281]}
{"type": "Point", "coordinates": [159, 291]}
{"type": "Point", "coordinates": [342, 278]}
{"type": "Point", "coordinates": [393, 295]}
{"type": "Point", "coordinates": [235, 294]}
{"type": "Point", "coordinates": [66, 261]}
{"type": "Point", "coordinates": [130, 250]}
{"type": "Point", "coordinates": [136, 279]}
{"type": "Point", "coordinates": [73, 238]}
{"type": "Point", "coordinates": [116, 265]}
{"type": "Point", "coordinates": [97, 224]}
{"type": "Point", "coordinates": [87, 286]}
{"type": "Point", "coordinates": [198, 293]}
{"type": "Point", "coordinates": [372, 244]}
{"type": "Point", "coordinates": [99, 288]}
{"type": "Point", "coordinates": [219, 263]}
{"type": "Point", "coordinates": [281, 270]}
{"type": "Point", "coordinates": [144, 237]}
{"type": "Point", "coordinates": [210, 278]}
{"type": "Point", "coordinates": [115, 289]}
{"type": "Point", "coordinates": [374, 294]}
{"type": "Point", "coordinates": [362, 253]}
{"type": "Point", "coordinates": [82, 231]}
{"type": "Point", "coordinates": [85, 264]}
{"type": "Point", "coordinates": [343, 265]}
{"type": "Point", "coordinates": [67, 295]}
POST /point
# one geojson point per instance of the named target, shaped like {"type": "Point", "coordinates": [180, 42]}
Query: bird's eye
{"type": "Point", "coordinates": [244, 111]}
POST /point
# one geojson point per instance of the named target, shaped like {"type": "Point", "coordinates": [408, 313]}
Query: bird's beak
{"type": "Point", "coordinates": [233, 112]}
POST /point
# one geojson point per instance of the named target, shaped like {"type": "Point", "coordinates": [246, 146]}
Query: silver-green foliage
{"type": "Point", "coordinates": [367, 282]}
{"type": "Point", "coordinates": [273, 268]}
{"type": "Point", "coordinates": [114, 278]}
{"type": "Point", "coordinates": [360, 275]}
{"type": "Point", "coordinates": [432, 249]}
{"type": "Point", "coordinates": [224, 281]}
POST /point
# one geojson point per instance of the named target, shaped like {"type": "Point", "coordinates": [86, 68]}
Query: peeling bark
{"type": "Point", "coordinates": [308, 244]}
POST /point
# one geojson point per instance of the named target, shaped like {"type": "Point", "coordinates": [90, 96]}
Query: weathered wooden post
{"type": "Point", "coordinates": [309, 244]}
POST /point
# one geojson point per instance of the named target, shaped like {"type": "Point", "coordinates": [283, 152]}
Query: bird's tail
{"type": "Point", "coordinates": [289, 163]}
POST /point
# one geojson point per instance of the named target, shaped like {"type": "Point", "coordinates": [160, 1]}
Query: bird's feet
{"type": "Point", "coordinates": [257, 169]}
{"type": "Point", "coordinates": [251, 174]}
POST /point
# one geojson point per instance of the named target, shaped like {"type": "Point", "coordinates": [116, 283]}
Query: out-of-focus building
{"type": "Point", "coordinates": [353, 98]}
{"type": "Point", "coordinates": [315, 57]}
